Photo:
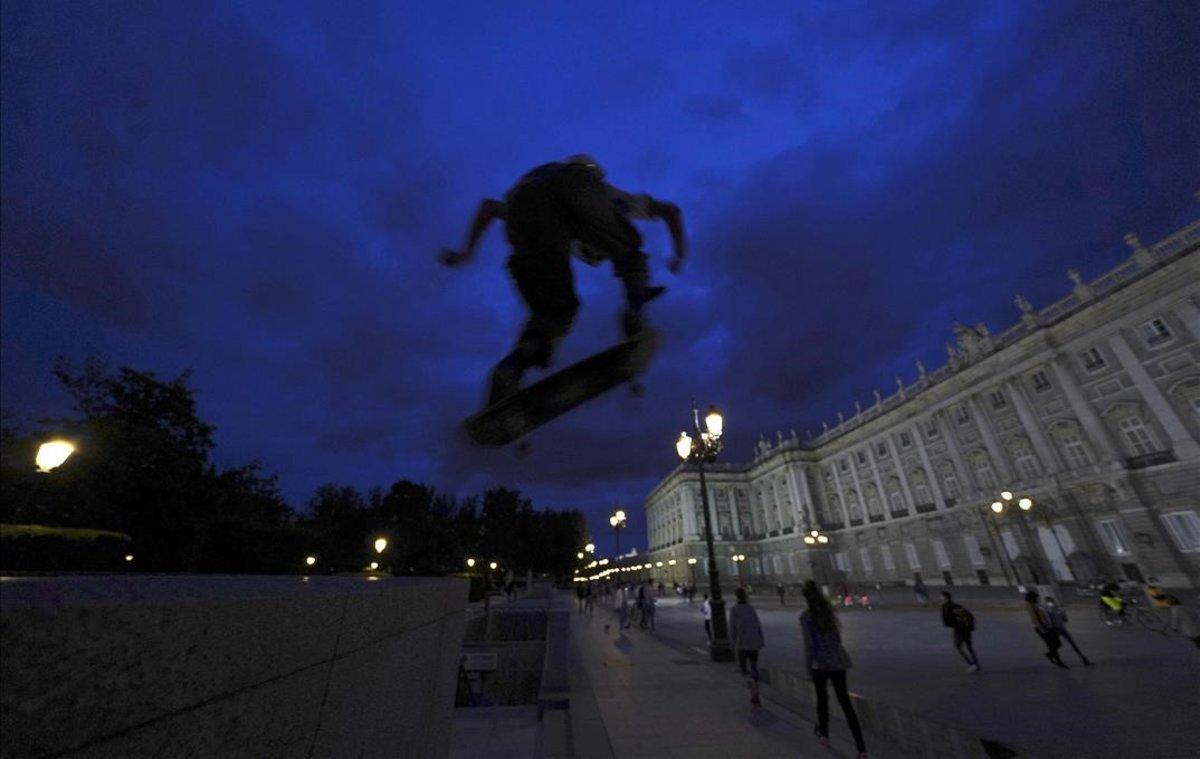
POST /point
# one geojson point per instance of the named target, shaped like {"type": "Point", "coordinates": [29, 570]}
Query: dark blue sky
{"type": "Point", "coordinates": [257, 191]}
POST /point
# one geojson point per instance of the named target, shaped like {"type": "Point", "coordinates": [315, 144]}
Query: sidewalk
{"type": "Point", "coordinates": [656, 700]}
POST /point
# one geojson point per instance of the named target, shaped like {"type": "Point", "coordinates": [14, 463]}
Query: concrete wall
{"type": "Point", "coordinates": [229, 666]}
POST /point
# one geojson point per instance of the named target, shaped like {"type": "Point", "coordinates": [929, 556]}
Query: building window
{"type": "Point", "coordinates": [931, 430]}
{"type": "Point", "coordinates": [1156, 332]}
{"type": "Point", "coordinates": [910, 553]}
{"type": "Point", "coordinates": [950, 483]}
{"type": "Point", "coordinates": [998, 400]}
{"type": "Point", "coordinates": [921, 491]}
{"type": "Point", "coordinates": [882, 450]}
{"type": "Point", "coordinates": [792, 563]}
{"type": "Point", "coordinates": [874, 507]}
{"type": "Point", "coordinates": [1137, 436]}
{"type": "Point", "coordinates": [845, 466]}
{"type": "Point", "coordinates": [862, 458]}
{"type": "Point", "coordinates": [1093, 360]}
{"type": "Point", "coordinates": [1113, 538]}
{"type": "Point", "coordinates": [864, 553]}
{"type": "Point", "coordinates": [905, 440]}
{"type": "Point", "coordinates": [962, 414]}
{"type": "Point", "coordinates": [896, 499]}
{"type": "Point", "coordinates": [939, 552]}
{"type": "Point", "coordinates": [1074, 450]}
{"type": "Point", "coordinates": [853, 505]}
{"type": "Point", "coordinates": [1027, 464]}
{"type": "Point", "coordinates": [1184, 527]}
{"type": "Point", "coordinates": [1010, 543]}
{"type": "Point", "coordinates": [888, 562]}
{"type": "Point", "coordinates": [973, 553]}
{"type": "Point", "coordinates": [1041, 383]}
{"type": "Point", "coordinates": [777, 562]}
{"type": "Point", "coordinates": [984, 472]}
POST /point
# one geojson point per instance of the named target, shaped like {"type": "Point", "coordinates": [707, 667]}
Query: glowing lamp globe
{"type": "Point", "coordinates": [683, 446]}
{"type": "Point", "coordinates": [714, 422]}
{"type": "Point", "coordinates": [51, 455]}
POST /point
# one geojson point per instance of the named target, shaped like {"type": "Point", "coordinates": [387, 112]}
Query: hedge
{"type": "Point", "coordinates": [35, 547]}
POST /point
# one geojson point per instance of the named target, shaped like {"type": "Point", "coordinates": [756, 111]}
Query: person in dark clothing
{"type": "Point", "coordinates": [826, 661]}
{"type": "Point", "coordinates": [1058, 622]}
{"type": "Point", "coordinates": [1043, 625]}
{"type": "Point", "coordinates": [921, 592]}
{"type": "Point", "coordinates": [549, 211]}
{"type": "Point", "coordinates": [746, 638]}
{"type": "Point", "coordinates": [962, 622]}
{"type": "Point", "coordinates": [781, 590]}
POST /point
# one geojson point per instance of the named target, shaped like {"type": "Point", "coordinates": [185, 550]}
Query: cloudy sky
{"type": "Point", "coordinates": [257, 192]}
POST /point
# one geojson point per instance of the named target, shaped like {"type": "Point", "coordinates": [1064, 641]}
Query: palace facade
{"type": "Point", "coordinates": [1090, 407]}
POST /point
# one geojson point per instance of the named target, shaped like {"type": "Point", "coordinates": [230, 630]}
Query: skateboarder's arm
{"type": "Point", "coordinates": [670, 213]}
{"type": "Point", "coordinates": [488, 210]}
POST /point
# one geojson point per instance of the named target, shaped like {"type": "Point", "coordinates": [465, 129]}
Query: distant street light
{"type": "Point", "coordinates": [740, 560]}
{"type": "Point", "coordinates": [310, 560]}
{"type": "Point", "coordinates": [493, 566]}
{"type": "Point", "coordinates": [374, 565]}
{"type": "Point", "coordinates": [1025, 504]}
{"type": "Point", "coordinates": [380, 545]}
{"type": "Point", "coordinates": [692, 570]}
{"type": "Point", "coordinates": [590, 548]}
{"type": "Point", "coordinates": [128, 557]}
{"type": "Point", "coordinates": [470, 563]}
{"type": "Point", "coordinates": [579, 555]}
{"type": "Point", "coordinates": [52, 454]}
{"type": "Point", "coordinates": [700, 447]}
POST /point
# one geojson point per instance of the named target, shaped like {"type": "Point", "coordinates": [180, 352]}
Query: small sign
{"type": "Point", "coordinates": [479, 662]}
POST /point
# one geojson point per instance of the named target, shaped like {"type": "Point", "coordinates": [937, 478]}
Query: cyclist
{"type": "Point", "coordinates": [1110, 598]}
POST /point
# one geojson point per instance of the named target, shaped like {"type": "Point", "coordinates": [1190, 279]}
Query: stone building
{"type": "Point", "coordinates": [1090, 407]}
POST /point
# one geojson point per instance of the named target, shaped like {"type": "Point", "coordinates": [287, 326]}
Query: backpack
{"type": "Point", "coordinates": [963, 619]}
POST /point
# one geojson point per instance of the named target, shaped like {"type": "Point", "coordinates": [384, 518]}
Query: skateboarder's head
{"type": "Point", "coordinates": [583, 159]}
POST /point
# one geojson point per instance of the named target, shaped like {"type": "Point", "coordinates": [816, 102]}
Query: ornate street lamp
{"type": "Point", "coordinates": [692, 570]}
{"type": "Point", "coordinates": [617, 520]}
{"type": "Point", "coordinates": [701, 447]}
{"type": "Point", "coordinates": [740, 560]}
{"type": "Point", "coordinates": [1025, 504]}
{"type": "Point", "coordinates": [380, 544]}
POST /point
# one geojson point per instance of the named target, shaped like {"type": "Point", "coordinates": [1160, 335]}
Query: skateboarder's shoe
{"type": "Point", "coordinates": [506, 380]}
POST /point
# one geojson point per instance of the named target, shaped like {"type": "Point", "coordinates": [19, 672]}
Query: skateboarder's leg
{"type": "Point", "coordinates": [546, 283]}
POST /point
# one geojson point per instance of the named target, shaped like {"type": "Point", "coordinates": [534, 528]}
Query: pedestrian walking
{"type": "Point", "coordinates": [1182, 619]}
{"type": "Point", "coordinates": [1043, 625]}
{"type": "Point", "coordinates": [1058, 622]}
{"type": "Point", "coordinates": [962, 622]}
{"type": "Point", "coordinates": [746, 637]}
{"type": "Point", "coordinates": [622, 608]}
{"type": "Point", "coordinates": [579, 593]}
{"type": "Point", "coordinates": [641, 605]}
{"type": "Point", "coordinates": [648, 605]}
{"type": "Point", "coordinates": [706, 612]}
{"type": "Point", "coordinates": [588, 600]}
{"type": "Point", "coordinates": [780, 589]}
{"type": "Point", "coordinates": [921, 592]}
{"type": "Point", "coordinates": [826, 660]}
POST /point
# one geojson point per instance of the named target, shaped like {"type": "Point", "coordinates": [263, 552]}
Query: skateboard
{"type": "Point", "coordinates": [551, 397]}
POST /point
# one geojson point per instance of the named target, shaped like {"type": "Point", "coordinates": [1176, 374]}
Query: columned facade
{"type": "Point", "coordinates": [1090, 406]}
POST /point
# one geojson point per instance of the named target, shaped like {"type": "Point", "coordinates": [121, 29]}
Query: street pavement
{"type": "Point", "coordinates": [1141, 699]}
{"type": "Point", "coordinates": [657, 698]}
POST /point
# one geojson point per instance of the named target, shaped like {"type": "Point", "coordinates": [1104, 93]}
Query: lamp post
{"type": "Point", "coordinates": [671, 564]}
{"type": "Point", "coordinates": [692, 570]}
{"type": "Point", "coordinates": [53, 454]}
{"type": "Point", "coordinates": [702, 447]}
{"type": "Point", "coordinates": [617, 520]}
{"type": "Point", "coordinates": [740, 560]}
{"type": "Point", "coordinates": [815, 538]}
{"type": "Point", "coordinates": [1024, 504]}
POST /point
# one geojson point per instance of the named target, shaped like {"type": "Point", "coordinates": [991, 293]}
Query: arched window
{"type": "Point", "coordinates": [852, 505]}
{"type": "Point", "coordinates": [1139, 439]}
{"type": "Point", "coordinates": [895, 495]}
{"type": "Point", "coordinates": [1027, 463]}
{"type": "Point", "coordinates": [874, 505]}
{"type": "Point", "coordinates": [1075, 452]}
{"type": "Point", "coordinates": [920, 486]}
{"type": "Point", "coordinates": [984, 473]}
{"type": "Point", "coordinates": [949, 480]}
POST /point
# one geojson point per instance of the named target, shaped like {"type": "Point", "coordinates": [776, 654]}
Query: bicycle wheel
{"type": "Point", "coordinates": [1152, 621]}
{"type": "Point", "coordinates": [1110, 618]}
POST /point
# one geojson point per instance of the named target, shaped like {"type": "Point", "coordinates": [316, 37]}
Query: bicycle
{"type": "Point", "coordinates": [1132, 609]}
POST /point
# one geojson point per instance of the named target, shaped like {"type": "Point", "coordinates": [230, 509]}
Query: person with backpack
{"type": "Point", "coordinates": [826, 660]}
{"type": "Point", "coordinates": [1043, 625]}
{"type": "Point", "coordinates": [962, 622]}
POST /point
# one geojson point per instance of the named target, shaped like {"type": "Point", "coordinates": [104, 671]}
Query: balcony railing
{"type": "Point", "coordinates": [1150, 459]}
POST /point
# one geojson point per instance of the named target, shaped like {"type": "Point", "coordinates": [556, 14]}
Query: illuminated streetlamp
{"type": "Point", "coordinates": [692, 569]}
{"type": "Point", "coordinates": [52, 454]}
{"type": "Point", "coordinates": [590, 548]}
{"type": "Point", "coordinates": [1025, 504]}
{"type": "Point", "coordinates": [470, 563]}
{"type": "Point", "coordinates": [128, 557]}
{"type": "Point", "coordinates": [740, 560]}
{"type": "Point", "coordinates": [617, 520]}
{"type": "Point", "coordinates": [310, 560]}
{"type": "Point", "coordinates": [374, 565]}
{"type": "Point", "coordinates": [493, 566]}
{"type": "Point", "coordinates": [701, 447]}
{"type": "Point", "coordinates": [381, 544]}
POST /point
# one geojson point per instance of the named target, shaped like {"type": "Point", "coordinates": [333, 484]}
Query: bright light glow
{"type": "Point", "coordinates": [493, 565]}
{"type": "Point", "coordinates": [692, 560]}
{"type": "Point", "coordinates": [683, 446]}
{"type": "Point", "coordinates": [603, 562]}
{"type": "Point", "coordinates": [310, 560]}
{"type": "Point", "coordinates": [579, 555]}
{"type": "Point", "coordinates": [1025, 504]}
{"type": "Point", "coordinates": [590, 548]}
{"type": "Point", "coordinates": [374, 565]}
{"type": "Point", "coordinates": [822, 539]}
{"type": "Point", "coordinates": [380, 545]}
{"type": "Point", "coordinates": [815, 533]}
{"type": "Point", "coordinates": [671, 563]}
{"type": "Point", "coordinates": [128, 557]}
{"type": "Point", "coordinates": [470, 562]}
{"type": "Point", "coordinates": [714, 422]}
{"type": "Point", "coordinates": [658, 563]}
{"type": "Point", "coordinates": [620, 515]}
{"type": "Point", "coordinates": [997, 506]}
{"type": "Point", "coordinates": [809, 539]}
{"type": "Point", "coordinates": [1006, 495]}
{"type": "Point", "coordinates": [51, 455]}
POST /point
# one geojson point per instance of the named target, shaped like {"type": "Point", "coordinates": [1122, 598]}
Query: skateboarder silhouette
{"type": "Point", "coordinates": [554, 211]}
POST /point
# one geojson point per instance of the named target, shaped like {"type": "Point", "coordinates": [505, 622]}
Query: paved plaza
{"type": "Point", "coordinates": [1139, 700]}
